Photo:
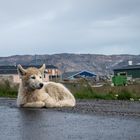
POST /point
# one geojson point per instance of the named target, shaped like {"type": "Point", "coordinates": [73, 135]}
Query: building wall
{"type": "Point", "coordinates": [134, 72]}
{"type": "Point", "coordinates": [53, 72]}
{"type": "Point", "coordinates": [15, 78]}
{"type": "Point", "coordinates": [46, 78]}
{"type": "Point", "coordinates": [4, 77]}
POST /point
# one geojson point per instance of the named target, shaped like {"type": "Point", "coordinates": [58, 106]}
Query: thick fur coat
{"type": "Point", "coordinates": [33, 92]}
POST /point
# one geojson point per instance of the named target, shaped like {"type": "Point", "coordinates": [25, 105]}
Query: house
{"type": "Point", "coordinates": [10, 72]}
{"type": "Point", "coordinates": [130, 70]}
{"type": "Point", "coordinates": [53, 71]}
{"type": "Point", "coordinates": [50, 72]}
{"type": "Point", "coordinates": [78, 74]}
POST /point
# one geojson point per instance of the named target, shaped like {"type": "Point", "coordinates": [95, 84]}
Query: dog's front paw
{"type": "Point", "coordinates": [53, 104]}
{"type": "Point", "coordinates": [42, 103]}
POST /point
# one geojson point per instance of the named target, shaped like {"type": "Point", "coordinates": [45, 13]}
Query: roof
{"type": "Point", "coordinates": [83, 73]}
{"type": "Point", "coordinates": [7, 69]}
{"type": "Point", "coordinates": [128, 67]}
{"type": "Point", "coordinates": [68, 74]}
{"type": "Point", "coordinates": [38, 66]}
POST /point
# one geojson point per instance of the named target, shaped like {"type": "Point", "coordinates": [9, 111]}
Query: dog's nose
{"type": "Point", "coordinates": [41, 85]}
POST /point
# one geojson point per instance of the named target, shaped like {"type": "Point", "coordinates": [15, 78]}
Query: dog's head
{"type": "Point", "coordinates": [32, 77]}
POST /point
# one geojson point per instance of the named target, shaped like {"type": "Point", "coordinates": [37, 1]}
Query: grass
{"type": "Point", "coordinates": [7, 91]}
{"type": "Point", "coordinates": [123, 95]}
{"type": "Point", "coordinates": [83, 90]}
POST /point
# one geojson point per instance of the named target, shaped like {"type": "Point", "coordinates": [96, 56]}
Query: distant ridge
{"type": "Point", "coordinates": [101, 64]}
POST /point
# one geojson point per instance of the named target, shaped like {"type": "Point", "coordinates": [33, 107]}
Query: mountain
{"type": "Point", "coordinates": [101, 64]}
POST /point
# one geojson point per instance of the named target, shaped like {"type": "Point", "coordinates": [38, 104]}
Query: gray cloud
{"type": "Point", "coordinates": [78, 26]}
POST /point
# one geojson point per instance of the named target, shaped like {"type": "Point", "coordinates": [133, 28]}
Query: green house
{"type": "Point", "coordinates": [131, 70]}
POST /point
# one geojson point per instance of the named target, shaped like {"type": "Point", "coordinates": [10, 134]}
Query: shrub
{"type": "Point", "coordinates": [124, 95]}
{"type": "Point", "coordinates": [7, 91]}
{"type": "Point", "coordinates": [85, 94]}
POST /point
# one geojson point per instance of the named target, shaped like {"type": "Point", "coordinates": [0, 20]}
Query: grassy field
{"type": "Point", "coordinates": [6, 90]}
{"type": "Point", "coordinates": [83, 90]}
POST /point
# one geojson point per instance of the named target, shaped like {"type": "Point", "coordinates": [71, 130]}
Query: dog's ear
{"type": "Point", "coordinates": [21, 70]}
{"type": "Point", "coordinates": [42, 68]}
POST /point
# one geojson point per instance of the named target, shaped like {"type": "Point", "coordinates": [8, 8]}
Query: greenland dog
{"type": "Point", "coordinates": [33, 92]}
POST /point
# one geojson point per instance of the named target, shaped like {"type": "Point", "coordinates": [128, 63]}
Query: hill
{"type": "Point", "coordinates": [101, 64]}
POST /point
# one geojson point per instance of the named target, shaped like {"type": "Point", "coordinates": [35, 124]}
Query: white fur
{"type": "Point", "coordinates": [50, 95]}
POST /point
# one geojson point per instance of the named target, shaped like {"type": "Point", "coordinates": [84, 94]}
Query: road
{"type": "Point", "coordinates": [89, 120]}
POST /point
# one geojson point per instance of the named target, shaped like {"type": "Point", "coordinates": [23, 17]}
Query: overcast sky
{"type": "Point", "coordinates": [69, 26]}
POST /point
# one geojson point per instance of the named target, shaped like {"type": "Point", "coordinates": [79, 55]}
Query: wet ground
{"type": "Point", "coordinates": [89, 120]}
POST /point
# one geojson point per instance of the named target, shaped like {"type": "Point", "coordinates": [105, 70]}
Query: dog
{"type": "Point", "coordinates": [33, 92]}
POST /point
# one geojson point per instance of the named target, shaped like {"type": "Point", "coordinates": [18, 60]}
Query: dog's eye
{"type": "Point", "coordinates": [40, 77]}
{"type": "Point", "coordinates": [33, 77]}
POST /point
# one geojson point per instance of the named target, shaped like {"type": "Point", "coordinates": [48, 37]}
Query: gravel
{"type": "Point", "coordinates": [93, 107]}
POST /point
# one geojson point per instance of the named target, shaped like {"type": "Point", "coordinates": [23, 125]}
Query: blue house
{"type": "Point", "coordinates": [78, 74]}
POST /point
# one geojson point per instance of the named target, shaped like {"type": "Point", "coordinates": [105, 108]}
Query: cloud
{"type": "Point", "coordinates": [86, 26]}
